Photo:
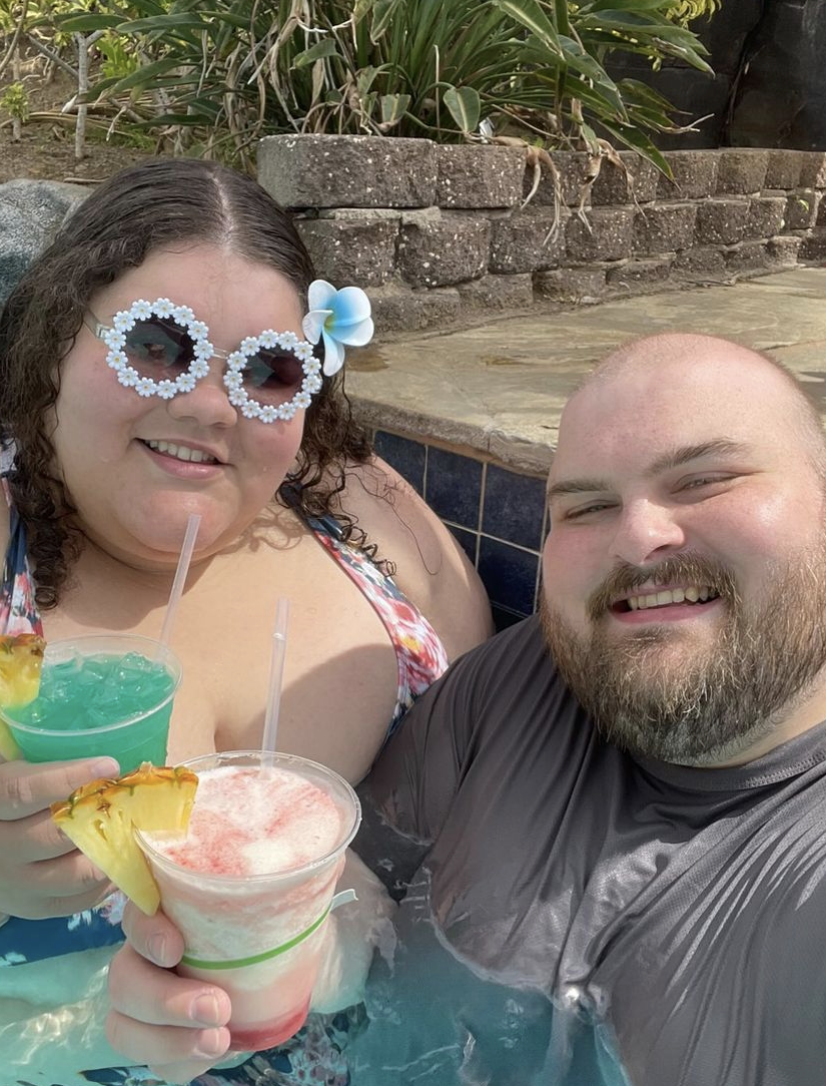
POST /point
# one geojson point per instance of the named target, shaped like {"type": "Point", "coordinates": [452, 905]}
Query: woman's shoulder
{"type": "Point", "coordinates": [430, 566]}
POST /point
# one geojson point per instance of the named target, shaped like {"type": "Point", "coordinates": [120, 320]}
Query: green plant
{"type": "Point", "coordinates": [15, 101]}
{"type": "Point", "coordinates": [215, 75]}
{"type": "Point", "coordinates": [120, 57]}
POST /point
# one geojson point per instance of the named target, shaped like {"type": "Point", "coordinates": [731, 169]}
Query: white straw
{"type": "Point", "coordinates": [279, 648]}
{"type": "Point", "coordinates": [192, 526]}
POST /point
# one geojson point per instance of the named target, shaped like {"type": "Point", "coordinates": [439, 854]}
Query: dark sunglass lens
{"type": "Point", "coordinates": [157, 344]}
{"type": "Point", "coordinates": [273, 375]}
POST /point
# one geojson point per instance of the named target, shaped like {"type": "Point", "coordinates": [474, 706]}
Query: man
{"type": "Point", "coordinates": [610, 820]}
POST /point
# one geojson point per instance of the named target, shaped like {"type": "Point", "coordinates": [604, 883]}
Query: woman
{"type": "Point", "coordinates": [125, 407]}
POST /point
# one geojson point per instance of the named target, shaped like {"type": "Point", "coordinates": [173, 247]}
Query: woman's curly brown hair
{"type": "Point", "coordinates": [140, 209]}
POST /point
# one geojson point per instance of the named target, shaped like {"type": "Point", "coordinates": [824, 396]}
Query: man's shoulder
{"type": "Point", "coordinates": [523, 640]}
{"type": "Point", "coordinates": [508, 677]}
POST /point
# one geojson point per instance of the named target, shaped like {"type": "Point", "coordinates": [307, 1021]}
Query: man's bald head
{"type": "Point", "coordinates": [690, 468]}
{"type": "Point", "coordinates": [640, 356]}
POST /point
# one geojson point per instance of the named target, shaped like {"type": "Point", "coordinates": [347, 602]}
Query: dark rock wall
{"type": "Point", "coordinates": [780, 100]}
{"type": "Point", "coordinates": [769, 86]}
{"type": "Point", "coordinates": [726, 36]}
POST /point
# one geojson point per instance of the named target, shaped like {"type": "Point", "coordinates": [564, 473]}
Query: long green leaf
{"type": "Point", "coordinates": [80, 24]}
{"type": "Point", "coordinates": [634, 90]}
{"type": "Point", "coordinates": [325, 48]}
{"type": "Point", "coordinates": [639, 142]}
{"type": "Point", "coordinates": [531, 15]}
{"type": "Point", "coordinates": [383, 13]}
{"type": "Point", "coordinates": [145, 75]}
{"type": "Point", "coordinates": [663, 6]}
{"type": "Point", "coordinates": [174, 23]}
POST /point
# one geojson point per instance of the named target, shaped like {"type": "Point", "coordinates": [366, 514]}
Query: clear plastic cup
{"type": "Point", "coordinates": [99, 694]}
{"type": "Point", "coordinates": [260, 936]}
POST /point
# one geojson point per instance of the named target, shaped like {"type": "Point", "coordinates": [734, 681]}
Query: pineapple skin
{"type": "Point", "coordinates": [21, 661]}
{"type": "Point", "coordinates": [100, 818]}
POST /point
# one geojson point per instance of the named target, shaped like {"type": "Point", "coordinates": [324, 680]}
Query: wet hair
{"type": "Point", "coordinates": [142, 208]}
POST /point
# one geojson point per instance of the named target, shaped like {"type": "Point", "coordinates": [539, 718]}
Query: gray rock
{"type": "Point", "coordinates": [571, 284]}
{"type": "Point", "coordinates": [664, 228]}
{"type": "Point", "coordinates": [639, 276]}
{"type": "Point", "coordinates": [497, 293]}
{"type": "Point", "coordinates": [702, 264]}
{"type": "Point", "coordinates": [31, 212]}
{"type": "Point", "coordinates": [613, 187]}
{"type": "Point", "coordinates": [765, 218]}
{"type": "Point", "coordinates": [348, 171]}
{"type": "Point", "coordinates": [741, 171]}
{"type": "Point", "coordinates": [607, 236]}
{"type": "Point", "coordinates": [444, 251]}
{"type": "Point", "coordinates": [784, 167]}
{"type": "Point", "coordinates": [527, 242]}
{"type": "Point", "coordinates": [358, 252]}
{"type": "Point", "coordinates": [400, 309]}
{"type": "Point", "coordinates": [813, 248]}
{"type": "Point", "coordinates": [721, 222]}
{"type": "Point", "coordinates": [694, 172]}
{"type": "Point", "coordinates": [573, 168]}
{"type": "Point", "coordinates": [748, 256]}
{"type": "Point", "coordinates": [784, 249]}
{"type": "Point", "coordinates": [802, 209]}
{"type": "Point", "coordinates": [813, 170]}
{"type": "Point", "coordinates": [476, 176]}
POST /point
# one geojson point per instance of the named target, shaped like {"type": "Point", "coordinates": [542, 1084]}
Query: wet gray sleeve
{"type": "Point", "coordinates": [409, 790]}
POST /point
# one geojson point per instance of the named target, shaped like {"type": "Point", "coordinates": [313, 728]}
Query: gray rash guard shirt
{"type": "Point", "coordinates": [680, 911]}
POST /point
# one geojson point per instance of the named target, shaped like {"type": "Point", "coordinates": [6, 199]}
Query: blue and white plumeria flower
{"type": "Point", "coordinates": [340, 317]}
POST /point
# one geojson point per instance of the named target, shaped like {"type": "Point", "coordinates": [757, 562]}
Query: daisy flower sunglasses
{"type": "Point", "coordinates": [162, 349]}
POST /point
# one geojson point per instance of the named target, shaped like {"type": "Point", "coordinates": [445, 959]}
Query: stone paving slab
{"type": "Point", "coordinates": [498, 389]}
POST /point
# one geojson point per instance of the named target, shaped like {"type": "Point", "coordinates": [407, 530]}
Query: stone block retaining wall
{"type": "Point", "coordinates": [439, 235]}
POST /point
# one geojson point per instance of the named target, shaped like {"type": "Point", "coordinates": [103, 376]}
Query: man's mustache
{"type": "Point", "coordinates": [686, 569]}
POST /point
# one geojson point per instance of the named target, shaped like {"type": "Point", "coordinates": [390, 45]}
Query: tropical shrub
{"type": "Point", "coordinates": [212, 76]}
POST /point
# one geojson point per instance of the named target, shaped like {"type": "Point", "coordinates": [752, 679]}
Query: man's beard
{"type": "Point", "coordinates": [648, 693]}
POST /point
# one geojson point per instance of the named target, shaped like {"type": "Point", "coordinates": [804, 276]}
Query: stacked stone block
{"type": "Point", "coordinates": [441, 234]}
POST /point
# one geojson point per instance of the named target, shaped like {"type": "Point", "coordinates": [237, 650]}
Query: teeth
{"type": "Point", "coordinates": [182, 452]}
{"type": "Point", "coordinates": [677, 595]}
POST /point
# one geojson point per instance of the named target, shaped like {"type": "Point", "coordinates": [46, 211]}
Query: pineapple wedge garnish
{"type": "Point", "coordinates": [100, 818]}
{"type": "Point", "coordinates": [21, 660]}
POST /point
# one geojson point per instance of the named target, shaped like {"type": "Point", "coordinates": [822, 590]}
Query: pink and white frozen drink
{"type": "Point", "coordinates": [251, 884]}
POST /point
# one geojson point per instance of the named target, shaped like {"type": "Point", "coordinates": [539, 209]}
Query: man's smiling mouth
{"type": "Point", "coordinates": [691, 594]}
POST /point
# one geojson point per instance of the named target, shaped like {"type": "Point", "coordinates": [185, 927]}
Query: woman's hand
{"type": "Point", "coordinates": [42, 874]}
{"type": "Point", "coordinates": [173, 1024]}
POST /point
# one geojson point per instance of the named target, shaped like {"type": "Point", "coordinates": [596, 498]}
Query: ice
{"type": "Point", "coordinates": [133, 663]}
{"type": "Point", "coordinates": [93, 691]}
{"type": "Point", "coordinates": [96, 718]}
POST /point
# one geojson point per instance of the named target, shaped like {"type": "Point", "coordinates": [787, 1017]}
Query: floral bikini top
{"type": "Point", "coordinates": [420, 654]}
